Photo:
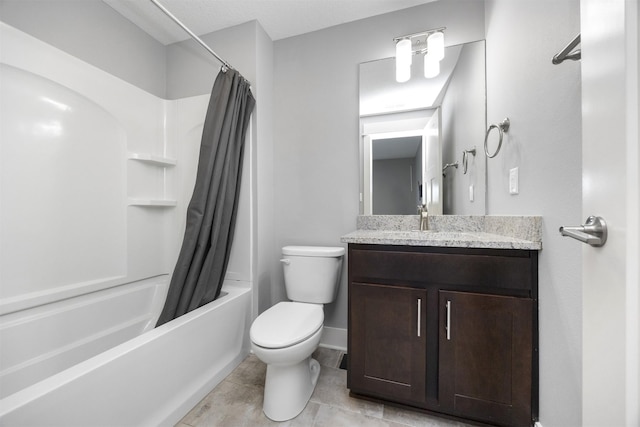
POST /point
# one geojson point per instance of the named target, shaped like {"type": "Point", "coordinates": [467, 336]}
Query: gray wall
{"type": "Point", "coordinates": [463, 126]}
{"type": "Point", "coordinates": [316, 154]}
{"type": "Point", "coordinates": [394, 191]}
{"type": "Point", "coordinates": [94, 32]}
{"type": "Point", "coordinates": [543, 102]}
{"type": "Point", "coordinates": [191, 72]}
{"type": "Point", "coordinates": [267, 258]}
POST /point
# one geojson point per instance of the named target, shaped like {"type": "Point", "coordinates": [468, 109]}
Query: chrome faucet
{"type": "Point", "coordinates": [424, 217]}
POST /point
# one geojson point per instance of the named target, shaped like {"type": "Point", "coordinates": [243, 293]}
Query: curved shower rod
{"type": "Point", "coordinates": [164, 10]}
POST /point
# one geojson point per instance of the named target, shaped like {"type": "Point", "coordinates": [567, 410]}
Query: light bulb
{"type": "Point", "coordinates": [403, 52]}
{"type": "Point", "coordinates": [435, 45]}
{"type": "Point", "coordinates": [431, 66]}
{"type": "Point", "coordinates": [403, 72]}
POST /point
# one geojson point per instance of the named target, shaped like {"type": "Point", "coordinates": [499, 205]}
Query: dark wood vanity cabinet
{"type": "Point", "coordinates": [485, 357]}
{"type": "Point", "coordinates": [389, 333]}
{"type": "Point", "coordinates": [449, 330]}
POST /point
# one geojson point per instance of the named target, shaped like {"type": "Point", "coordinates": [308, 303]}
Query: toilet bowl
{"type": "Point", "coordinates": [291, 372]}
{"type": "Point", "coordinates": [285, 335]}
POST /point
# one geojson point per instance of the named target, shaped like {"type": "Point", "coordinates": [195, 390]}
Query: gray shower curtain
{"type": "Point", "coordinates": [202, 263]}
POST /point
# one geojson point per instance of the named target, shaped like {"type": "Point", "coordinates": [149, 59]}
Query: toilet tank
{"type": "Point", "coordinates": [312, 273]}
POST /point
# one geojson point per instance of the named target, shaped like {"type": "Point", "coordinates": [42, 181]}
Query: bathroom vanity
{"type": "Point", "coordinates": [446, 321]}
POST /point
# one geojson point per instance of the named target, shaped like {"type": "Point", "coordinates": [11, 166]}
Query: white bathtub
{"type": "Point", "coordinates": [153, 379]}
{"type": "Point", "coordinates": [77, 344]}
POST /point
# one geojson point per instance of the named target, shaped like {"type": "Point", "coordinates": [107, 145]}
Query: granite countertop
{"type": "Point", "coordinates": [454, 239]}
{"type": "Point", "coordinates": [497, 232]}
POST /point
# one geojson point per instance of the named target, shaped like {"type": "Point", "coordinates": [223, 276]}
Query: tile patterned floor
{"type": "Point", "coordinates": [237, 402]}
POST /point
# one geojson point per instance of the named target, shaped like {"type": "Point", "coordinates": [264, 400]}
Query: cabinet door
{"type": "Point", "coordinates": [387, 342]}
{"type": "Point", "coordinates": [485, 361]}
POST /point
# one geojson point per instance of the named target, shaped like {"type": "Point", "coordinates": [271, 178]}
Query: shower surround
{"type": "Point", "coordinates": [96, 175]}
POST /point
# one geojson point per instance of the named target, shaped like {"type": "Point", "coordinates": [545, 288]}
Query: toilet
{"type": "Point", "coordinates": [285, 336]}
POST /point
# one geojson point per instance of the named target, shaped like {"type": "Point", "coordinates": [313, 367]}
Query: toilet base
{"type": "Point", "coordinates": [288, 388]}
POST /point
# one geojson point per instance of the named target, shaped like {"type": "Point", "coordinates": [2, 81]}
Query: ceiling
{"type": "Point", "coordinates": [279, 18]}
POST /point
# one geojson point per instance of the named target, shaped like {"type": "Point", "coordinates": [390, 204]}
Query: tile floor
{"type": "Point", "coordinates": [237, 402]}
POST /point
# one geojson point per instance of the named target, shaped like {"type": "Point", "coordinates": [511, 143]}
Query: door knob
{"type": "Point", "coordinates": [592, 232]}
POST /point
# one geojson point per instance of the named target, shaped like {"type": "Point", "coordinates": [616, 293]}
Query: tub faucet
{"type": "Point", "coordinates": [424, 217]}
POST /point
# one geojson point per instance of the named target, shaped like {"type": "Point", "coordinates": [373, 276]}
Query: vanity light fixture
{"type": "Point", "coordinates": [403, 60]}
{"type": "Point", "coordinates": [429, 43]}
{"type": "Point", "coordinates": [403, 52]}
{"type": "Point", "coordinates": [435, 45]}
{"type": "Point", "coordinates": [431, 66]}
{"type": "Point", "coordinates": [403, 72]}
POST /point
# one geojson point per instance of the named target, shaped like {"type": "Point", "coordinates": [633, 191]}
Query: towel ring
{"type": "Point", "coordinates": [502, 127]}
{"type": "Point", "coordinates": [465, 159]}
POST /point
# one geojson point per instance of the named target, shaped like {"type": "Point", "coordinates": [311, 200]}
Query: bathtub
{"type": "Point", "coordinates": [153, 379]}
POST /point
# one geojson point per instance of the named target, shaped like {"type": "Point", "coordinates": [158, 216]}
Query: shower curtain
{"type": "Point", "coordinates": [202, 263]}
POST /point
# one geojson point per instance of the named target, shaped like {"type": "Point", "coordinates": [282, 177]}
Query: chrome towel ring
{"type": "Point", "coordinates": [465, 159]}
{"type": "Point", "coordinates": [502, 127]}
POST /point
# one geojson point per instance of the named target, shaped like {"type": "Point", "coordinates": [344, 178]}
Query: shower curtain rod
{"type": "Point", "coordinates": [225, 64]}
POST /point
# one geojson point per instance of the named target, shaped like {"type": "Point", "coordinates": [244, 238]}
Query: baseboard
{"type": "Point", "coordinates": [335, 338]}
{"type": "Point", "coordinates": [537, 424]}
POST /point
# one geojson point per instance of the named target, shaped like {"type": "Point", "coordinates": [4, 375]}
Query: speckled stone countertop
{"type": "Point", "coordinates": [491, 232]}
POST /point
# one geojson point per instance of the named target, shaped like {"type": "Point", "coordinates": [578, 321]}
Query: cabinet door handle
{"type": "Point", "coordinates": [419, 314]}
{"type": "Point", "coordinates": [448, 325]}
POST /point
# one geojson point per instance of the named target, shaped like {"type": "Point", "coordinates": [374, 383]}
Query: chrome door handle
{"type": "Point", "coordinates": [419, 314]}
{"type": "Point", "coordinates": [448, 325]}
{"type": "Point", "coordinates": [593, 232]}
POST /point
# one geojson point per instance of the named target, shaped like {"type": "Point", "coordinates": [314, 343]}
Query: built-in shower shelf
{"type": "Point", "coordinates": [157, 203]}
{"type": "Point", "coordinates": [153, 159]}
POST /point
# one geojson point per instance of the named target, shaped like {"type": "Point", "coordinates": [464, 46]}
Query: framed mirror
{"type": "Point", "coordinates": [421, 141]}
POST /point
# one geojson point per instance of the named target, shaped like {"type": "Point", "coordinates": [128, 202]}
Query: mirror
{"type": "Point", "coordinates": [417, 139]}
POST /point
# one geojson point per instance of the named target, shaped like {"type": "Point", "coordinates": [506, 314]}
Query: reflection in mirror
{"type": "Point", "coordinates": [410, 130]}
{"type": "Point", "coordinates": [396, 181]}
{"type": "Point", "coordinates": [401, 155]}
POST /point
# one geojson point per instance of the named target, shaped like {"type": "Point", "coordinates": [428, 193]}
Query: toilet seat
{"type": "Point", "coordinates": [286, 324]}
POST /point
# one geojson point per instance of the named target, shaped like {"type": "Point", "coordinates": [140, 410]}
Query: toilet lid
{"type": "Point", "coordinates": [286, 324]}
{"type": "Point", "coordinates": [320, 251]}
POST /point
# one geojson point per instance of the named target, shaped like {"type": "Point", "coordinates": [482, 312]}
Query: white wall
{"type": "Point", "coordinates": [94, 32]}
{"type": "Point", "coordinates": [68, 225]}
{"type": "Point", "coordinates": [316, 155]}
{"type": "Point", "coordinates": [543, 102]}
{"type": "Point", "coordinates": [72, 29]}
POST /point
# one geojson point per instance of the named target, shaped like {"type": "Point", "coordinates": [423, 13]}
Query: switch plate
{"type": "Point", "coordinates": [471, 193]}
{"type": "Point", "coordinates": [513, 181]}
